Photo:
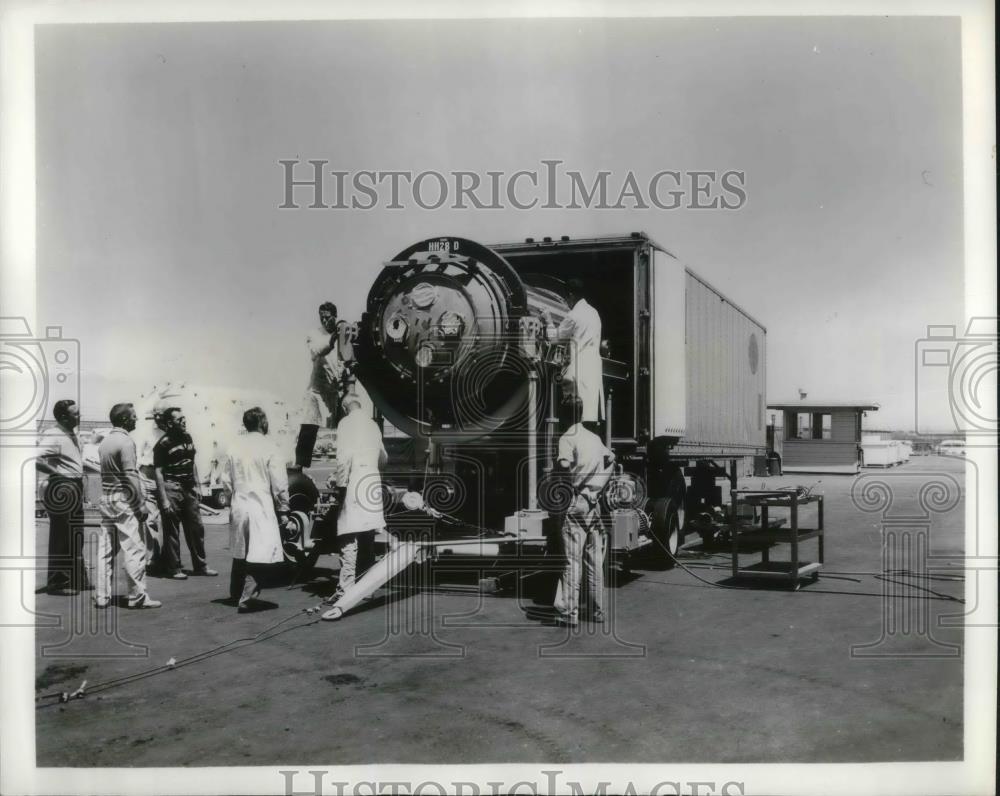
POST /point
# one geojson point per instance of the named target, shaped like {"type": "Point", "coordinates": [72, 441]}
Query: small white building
{"type": "Point", "coordinates": [820, 436]}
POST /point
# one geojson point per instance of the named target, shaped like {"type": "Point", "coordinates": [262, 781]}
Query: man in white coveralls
{"type": "Point", "coordinates": [587, 463]}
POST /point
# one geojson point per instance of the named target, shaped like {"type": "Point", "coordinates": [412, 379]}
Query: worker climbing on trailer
{"type": "Point", "coordinates": [326, 370]}
{"type": "Point", "coordinates": [583, 375]}
{"type": "Point", "coordinates": [587, 464]}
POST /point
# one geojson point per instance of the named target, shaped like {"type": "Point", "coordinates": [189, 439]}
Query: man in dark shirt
{"type": "Point", "coordinates": [178, 491]}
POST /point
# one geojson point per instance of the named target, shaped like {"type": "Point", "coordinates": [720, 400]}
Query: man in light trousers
{"type": "Point", "coordinates": [587, 464]}
{"type": "Point", "coordinates": [360, 454]}
{"type": "Point", "coordinates": [123, 513]}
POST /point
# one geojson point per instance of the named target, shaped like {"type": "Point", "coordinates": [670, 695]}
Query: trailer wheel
{"type": "Point", "coordinates": [665, 525]}
{"type": "Point", "coordinates": [293, 536]}
{"type": "Point", "coordinates": [677, 494]}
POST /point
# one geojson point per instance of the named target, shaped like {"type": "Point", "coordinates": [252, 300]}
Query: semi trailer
{"type": "Point", "coordinates": [453, 350]}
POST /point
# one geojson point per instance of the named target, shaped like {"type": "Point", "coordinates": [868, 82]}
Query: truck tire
{"type": "Point", "coordinates": [303, 494]}
{"type": "Point", "coordinates": [678, 496]}
{"type": "Point", "coordinates": [665, 526]}
{"type": "Point", "coordinates": [665, 478]}
{"type": "Point", "coordinates": [293, 537]}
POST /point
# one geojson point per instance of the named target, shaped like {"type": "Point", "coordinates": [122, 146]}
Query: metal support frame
{"type": "Point", "coordinates": [532, 441]}
{"type": "Point", "coordinates": [607, 417]}
{"type": "Point", "coordinates": [530, 333]}
{"type": "Point", "coordinates": [433, 458]}
{"type": "Point", "coordinates": [551, 426]}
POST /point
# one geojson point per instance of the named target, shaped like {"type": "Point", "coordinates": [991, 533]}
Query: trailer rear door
{"type": "Point", "coordinates": [669, 355]}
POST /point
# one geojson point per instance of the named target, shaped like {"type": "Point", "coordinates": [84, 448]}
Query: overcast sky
{"type": "Point", "coordinates": [162, 248]}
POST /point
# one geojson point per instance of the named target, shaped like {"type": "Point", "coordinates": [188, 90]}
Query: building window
{"type": "Point", "coordinates": [808, 425]}
{"type": "Point", "coordinates": [822, 426]}
{"type": "Point", "coordinates": [801, 427]}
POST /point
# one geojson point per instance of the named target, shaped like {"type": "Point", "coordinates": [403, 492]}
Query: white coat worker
{"type": "Point", "coordinates": [586, 462]}
{"type": "Point", "coordinates": [583, 376]}
{"type": "Point", "coordinates": [360, 454]}
{"type": "Point", "coordinates": [253, 474]}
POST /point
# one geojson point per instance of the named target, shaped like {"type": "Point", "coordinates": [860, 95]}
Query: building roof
{"type": "Point", "coordinates": [815, 406]}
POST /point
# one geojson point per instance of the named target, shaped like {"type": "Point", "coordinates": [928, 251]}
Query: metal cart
{"type": "Point", "coordinates": [769, 533]}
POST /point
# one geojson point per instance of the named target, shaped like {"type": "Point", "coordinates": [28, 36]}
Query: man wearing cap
{"type": "Point", "coordinates": [586, 462]}
{"type": "Point", "coordinates": [60, 458]}
{"type": "Point", "coordinates": [179, 492]}
{"type": "Point", "coordinates": [147, 476]}
{"type": "Point", "coordinates": [148, 441]}
{"type": "Point", "coordinates": [326, 369]}
{"type": "Point", "coordinates": [123, 511]}
{"type": "Point", "coordinates": [360, 454]}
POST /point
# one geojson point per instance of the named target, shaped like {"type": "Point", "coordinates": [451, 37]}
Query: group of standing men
{"type": "Point", "coordinates": [254, 476]}
{"type": "Point", "coordinates": [163, 479]}
{"type": "Point", "coordinates": [123, 505]}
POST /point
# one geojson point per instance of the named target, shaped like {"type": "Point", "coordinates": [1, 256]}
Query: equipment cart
{"type": "Point", "coordinates": [770, 533]}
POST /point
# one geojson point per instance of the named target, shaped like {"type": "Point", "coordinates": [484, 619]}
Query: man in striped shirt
{"type": "Point", "coordinates": [179, 491]}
